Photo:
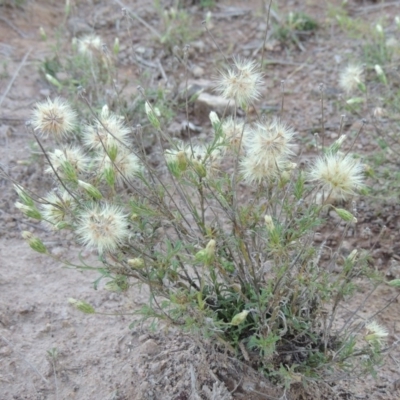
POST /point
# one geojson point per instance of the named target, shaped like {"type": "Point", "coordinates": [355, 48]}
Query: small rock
{"type": "Point", "coordinates": [45, 92]}
{"type": "Point", "coordinates": [143, 338]}
{"type": "Point", "coordinates": [197, 71]}
{"type": "Point", "coordinates": [150, 347]}
{"type": "Point", "coordinates": [206, 103]}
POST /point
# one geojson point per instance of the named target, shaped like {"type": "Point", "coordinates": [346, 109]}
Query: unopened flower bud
{"type": "Point", "coordinates": [34, 242]}
{"type": "Point", "coordinates": [353, 256]}
{"type": "Point", "coordinates": [214, 118]}
{"type": "Point", "coordinates": [26, 199]}
{"type": "Point", "coordinates": [116, 46]}
{"type": "Point", "coordinates": [239, 318]}
{"type": "Point", "coordinates": [109, 176]}
{"type": "Point", "coordinates": [381, 74]}
{"type": "Point", "coordinates": [42, 33]}
{"type": "Point", "coordinates": [29, 211]}
{"type": "Point", "coordinates": [90, 190]}
{"type": "Point", "coordinates": [136, 263]}
{"type": "Point", "coordinates": [207, 255]}
{"type": "Point", "coordinates": [270, 223]}
{"type": "Point", "coordinates": [379, 29]}
{"type": "Point", "coordinates": [82, 306]}
{"type": "Point", "coordinates": [345, 215]}
{"type": "Point", "coordinates": [52, 80]}
{"type": "Point", "coordinates": [152, 116]}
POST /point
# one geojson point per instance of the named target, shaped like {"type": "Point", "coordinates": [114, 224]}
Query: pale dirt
{"type": "Point", "coordinates": [98, 356]}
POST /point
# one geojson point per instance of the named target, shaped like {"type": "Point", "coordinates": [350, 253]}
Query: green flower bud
{"type": "Point", "coordinates": [152, 115]}
{"type": "Point", "coordinates": [394, 283]}
{"type": "Point", "coordinates": [53, 81]}
{"type": "Point", "coordinates": [90, 190]}
{"type": "Point", "coordinates": [34, 242]}
{"type": "Point", "coordinates": [346, 215]}
{"type": "Point", "coordinates": [69, 172]}
{"type": "Point", "coordinates": [112, 153]}
{"type": "Point", "coordinates": [29, 211]}
{"type": "Point", "coordinates": [207, 255]}
{"type": "Point", "coordinates": [239, 318]}
{"type": "Point", "coordinates": [82, 306]}
{"type": "Point", "coordinates": [353, 256]}
{"type": "Point", "coordinates": [25, 198]}
{"type": "Point", "coordinates": [109, 176]}
{"type": "Point", "coordinates": [269, 223]}
{"type": "Point", "coordinates": [136, 263]}
{"type": "Point", "coordinates": [42, 33]}
{"type": "Point", "coordinates": [116, 46]}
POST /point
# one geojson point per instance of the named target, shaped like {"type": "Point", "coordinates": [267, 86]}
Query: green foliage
{"type": "Point", "coordinates": [178, 27]}
{"type": "Point", "coordinates": [295, 27]}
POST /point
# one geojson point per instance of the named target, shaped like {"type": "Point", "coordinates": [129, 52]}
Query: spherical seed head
{"type": "Point", "coordinates": [90, 45]}
{"type": "Point", "coordinates": [235, 133]}
{"type": "Point", "coordinates": [57, 209]}
{"type": "Point", "coordinates": [269, 142]}
{"type": "Point", "coordinates": [241, 82]}
{"type": "Point", "coordinates": [73, 155]}
{"type": "Point", "coordinates": [104, 227]}
{"type": "Point", "coordinates": [340, 176]}
{"type": "Point", "coordinates": [54, 117]}
{"type": "Point", "coordinates": [125, 165]}
{"type": "Point", "coordinates": [107, 131]}
{"type": "Point", "coordinates": [254, 171]}
{"type": "Point", "coordinates": [351, 77]}
{"type": "Point", "coordinates": [375, 332]}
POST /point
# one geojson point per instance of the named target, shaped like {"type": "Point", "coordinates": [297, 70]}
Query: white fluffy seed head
{"type": "Point", "coordinates": [124, 166]}
{"type": "Point", "coordinates": [269, 142]}
{"type": "Point", "coordinates": [235, 133]}
{"type": "Point", "coordinates": [72, 155]}
{"type": "Point", "coordinates": [102, 227]}
{"type": "Point", "coordinates": [241, 81]}
{"type": "Point", "coordinates": [375, 332]}
{"type": "Point", "coordinates": [255, 172]}
{"type": "Point", "coordinates": [90, 46]}
{"type": "Point", "coordinates": [107, 131]}
{"type": "Point", "coordinates": [54, 118]}
{"type": "Point", "coordinates": [339, 176]}
{"type": "Point", "coordinates": [351, 78]}
{"type": "Point", "coordinates": [58, 209]}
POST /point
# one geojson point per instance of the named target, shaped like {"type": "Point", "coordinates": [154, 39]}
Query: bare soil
{"type": "Point", "coordinates": [48, 350]}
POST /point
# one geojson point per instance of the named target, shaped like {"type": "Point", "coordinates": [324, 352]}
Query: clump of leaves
{"type": "Point", "coordinates": [295, 27]}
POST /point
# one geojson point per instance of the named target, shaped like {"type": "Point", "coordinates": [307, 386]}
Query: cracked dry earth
{"type": "Point", "coordinates": [49, 350]}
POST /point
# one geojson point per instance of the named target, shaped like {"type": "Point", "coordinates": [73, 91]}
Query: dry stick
{"type": "Point", "coordinates": [12, 26]}
{"type": "Point", "coordinates": [52, 167]}
{"type": "Point", "coordinates": [21, 64]}
{"type": "Point", "coordinates": [355, 139]}
{"type": "Point", "coordinates": [185, 59]}
{"type": "Point", "coordinates": [373, 7]}
{"type": "Point", "coordinates": [141, 20]}
{"type": "Point", "coordinates": [283, 96]}
{"type": "Point", "coordinates": [22, 356]}
{"type": "Point", "coordinates": [214, 41]}
{"type": "Point", "coordinates": [321, 88]}
{"type": "Point", "coordinates": [265, 36]}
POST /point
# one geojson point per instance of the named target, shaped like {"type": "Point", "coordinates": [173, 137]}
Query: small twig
{"type": "Point", "coordinates": [14, 76]}
{"type": "Point", "coordinates": [22, 356]}
{"type": "Point", "coordinates": [265, 36]}
{"type": "Point", "coordinates": [373, 7]}
{"type": "Point", "coordinates": [13, 27]}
